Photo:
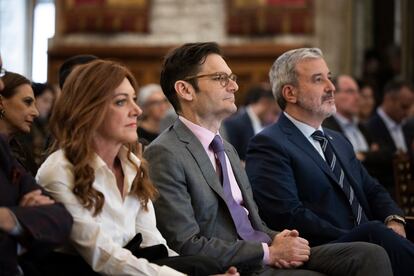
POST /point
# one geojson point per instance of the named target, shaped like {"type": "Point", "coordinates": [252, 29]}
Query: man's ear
{"type": "Point", "coordinates": [184, 90]}
{"type": "Point", "coordinates": [289, 93]}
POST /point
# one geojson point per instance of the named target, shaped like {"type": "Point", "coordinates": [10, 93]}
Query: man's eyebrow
{"type": "Point", "coordinates": [316, 75]}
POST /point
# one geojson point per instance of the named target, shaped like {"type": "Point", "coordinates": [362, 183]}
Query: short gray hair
{"type": "Point", "coordinates": [146, 91]}
{"type": "Point", "coordinates": [283, 70]}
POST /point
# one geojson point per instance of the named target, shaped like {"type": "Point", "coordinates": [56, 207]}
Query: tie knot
{"type": "Point", "coordinates": [217, 145]}
{"type": "Point", "coordinates": [318, 136]}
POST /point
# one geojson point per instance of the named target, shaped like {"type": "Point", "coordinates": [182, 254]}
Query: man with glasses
{"type": "Point", "coordinates": [347, 97]}
{"type": "Point", "coordinates": [206, 205]}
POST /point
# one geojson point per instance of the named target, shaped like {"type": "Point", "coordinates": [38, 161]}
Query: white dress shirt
{"type": "Point", "coordinates": [307, 131]}
{"type": "Point", "coordinates": [394, 129]}
{"type": "Point", "coordinates": [257, 125]}
{"type": "Point", "coordinates": [352, 132]}
{"type": "Point", "coordinates": [100, 239]}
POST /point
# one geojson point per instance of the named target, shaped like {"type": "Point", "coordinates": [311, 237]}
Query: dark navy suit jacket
{"type": "Point", "coordinates": [295, 189]}
{"type": "Point", "coordinates": [382, 137]}
{"type": "Point", "coordinates": [379, 162]}
{"type": "Point", "coordinates": [44, 226]}
{"type": "Point", "coordinates": [239, 129]}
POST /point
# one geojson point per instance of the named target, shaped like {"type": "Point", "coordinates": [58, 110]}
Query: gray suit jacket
{"type": "Point", "coordinates": [191, 211]}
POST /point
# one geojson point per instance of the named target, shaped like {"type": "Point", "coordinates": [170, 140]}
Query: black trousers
{"type": "Point", "coordinates": [70, 265]}
{"type": "Point", "coordinates": [64, 264]}
{"type": "Point", "coordinates": [400, 250]}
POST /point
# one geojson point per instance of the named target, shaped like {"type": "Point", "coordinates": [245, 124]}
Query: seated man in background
{"type": "Point", "coordinates": [308, 178]}
{"type": "Point", "coordinates": [260, 111]}
{"type": "Point", "coordinates": [386, 128]}
{"type": "Point", "coordinates": [345, 121]}
{"type": "Point", "coordinates": [28, 217]}
{"type": "Point", "coordinates": [205, 205]}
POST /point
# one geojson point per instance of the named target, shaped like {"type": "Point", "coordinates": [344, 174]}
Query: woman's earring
{"type": "Point", "coordinates": [2, 112]}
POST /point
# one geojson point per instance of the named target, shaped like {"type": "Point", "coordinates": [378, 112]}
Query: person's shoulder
{"type": "Point", "coordinates": [56, 156]}
{"type": "Point", "coordinates": [165, 138]}
{"type": "Point", "coordinates": [55, 167]}
{"type": "Point", "coordinates": [166, 144]}
{"type": "Point", "coordinates": [5, 151]}
{"type": "Point", "coordinates": [271, 131]}
{"type": "Point", "coordinates": [338, 137]}
{"type": "Point", "coordinates": [374, 120]}
{"type": "Point", "coordinates": [331, 123]}
{"type": "Point", "coordinates": [238, 117]}
{"type": "Point", "coordinates": [270, 136]}
{"type": "Point", "coordinates": [334, 134]}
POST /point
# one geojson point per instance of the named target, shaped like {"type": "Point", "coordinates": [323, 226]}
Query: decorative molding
{"type": "Point", "coordinates": [258, 18]}
{"type": "Point", "coordinates": [102, 16]}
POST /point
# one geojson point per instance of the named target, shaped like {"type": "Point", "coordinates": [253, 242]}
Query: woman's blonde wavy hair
{"type": "Point", "coordinates": [79, 111]}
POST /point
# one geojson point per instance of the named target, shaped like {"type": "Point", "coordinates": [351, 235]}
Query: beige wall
{"type": "Point", "coordinates": [179, 21]}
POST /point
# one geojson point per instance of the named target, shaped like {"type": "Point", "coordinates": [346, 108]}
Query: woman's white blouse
{"type": "Point", "coordinates": [100, 239]}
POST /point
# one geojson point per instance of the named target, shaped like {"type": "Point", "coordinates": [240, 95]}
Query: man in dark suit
{"type": "Point", "coordinates": [345, 121]}
{"type": "Point", "coordinates": [260, 111]}
{"type": "Point", "coordinates": [206, 206]}
{"type": "Point", "coordinates": [386, 128]}
{"type": "Point", "coordinates": [27, 215]}
{"type": "Point", "coordinates": [308, 178]}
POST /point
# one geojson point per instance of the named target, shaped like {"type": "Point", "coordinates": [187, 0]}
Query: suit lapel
{"type": "Point", "coordinates": [197, 151]}
{"type": "Point", "coordinates": [297, 138]}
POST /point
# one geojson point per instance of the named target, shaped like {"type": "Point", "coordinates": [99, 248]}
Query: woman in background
{"type": "Point", "coordinates": [45, 95]}
{"type": "Point", "coordinates": [366, 102]}
{"type": "Point", "coordinates": [17, 113]}
{"type": "Point", "coordinates": [29, 218]}
{"type": "Point", "coordinates": [104, 185]}
{"type": "Point", "coordinates": [155, 106]}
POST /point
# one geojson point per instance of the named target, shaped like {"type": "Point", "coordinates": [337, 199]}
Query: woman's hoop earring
{"type": "Point", "coordinates": [2, 112]}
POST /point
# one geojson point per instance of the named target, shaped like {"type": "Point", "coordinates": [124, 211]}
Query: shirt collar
{"type": "Point", "coordinates": [390, 123]}
{"type": "Point", "coordinates": [129, 169]}
{"type": "Point", "coordinates": [307, 130]}
{"type": "Point", "coordinates": [204, 135]}
{"type": "Point", "coordinates": [343, 121]}
{"type": "Point", "coordinates": [257, 125]}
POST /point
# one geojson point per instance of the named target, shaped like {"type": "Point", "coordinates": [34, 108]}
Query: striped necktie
{"type": "Point", "coordinates": [337, 170]}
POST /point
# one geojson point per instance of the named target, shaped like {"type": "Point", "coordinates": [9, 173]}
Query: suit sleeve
{"type": "Point", "coordinates": [377, 197]}
{"type": "Point", "coordinates": [271, 172]}
{"type": "Point", "coordinates": [45, 225]}
{"type": "Point", "coordinates": [380, 202]}
{"type": "Point", "coordinates": [176, 219]}
{"type": "Point", "coordinates": [89, 238]}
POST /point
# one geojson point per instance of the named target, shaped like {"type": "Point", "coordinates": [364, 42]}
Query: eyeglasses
{"type": "Point", "coordinates": [2, 72]}
{"type": "Point", "coordinates": [221, 77]}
